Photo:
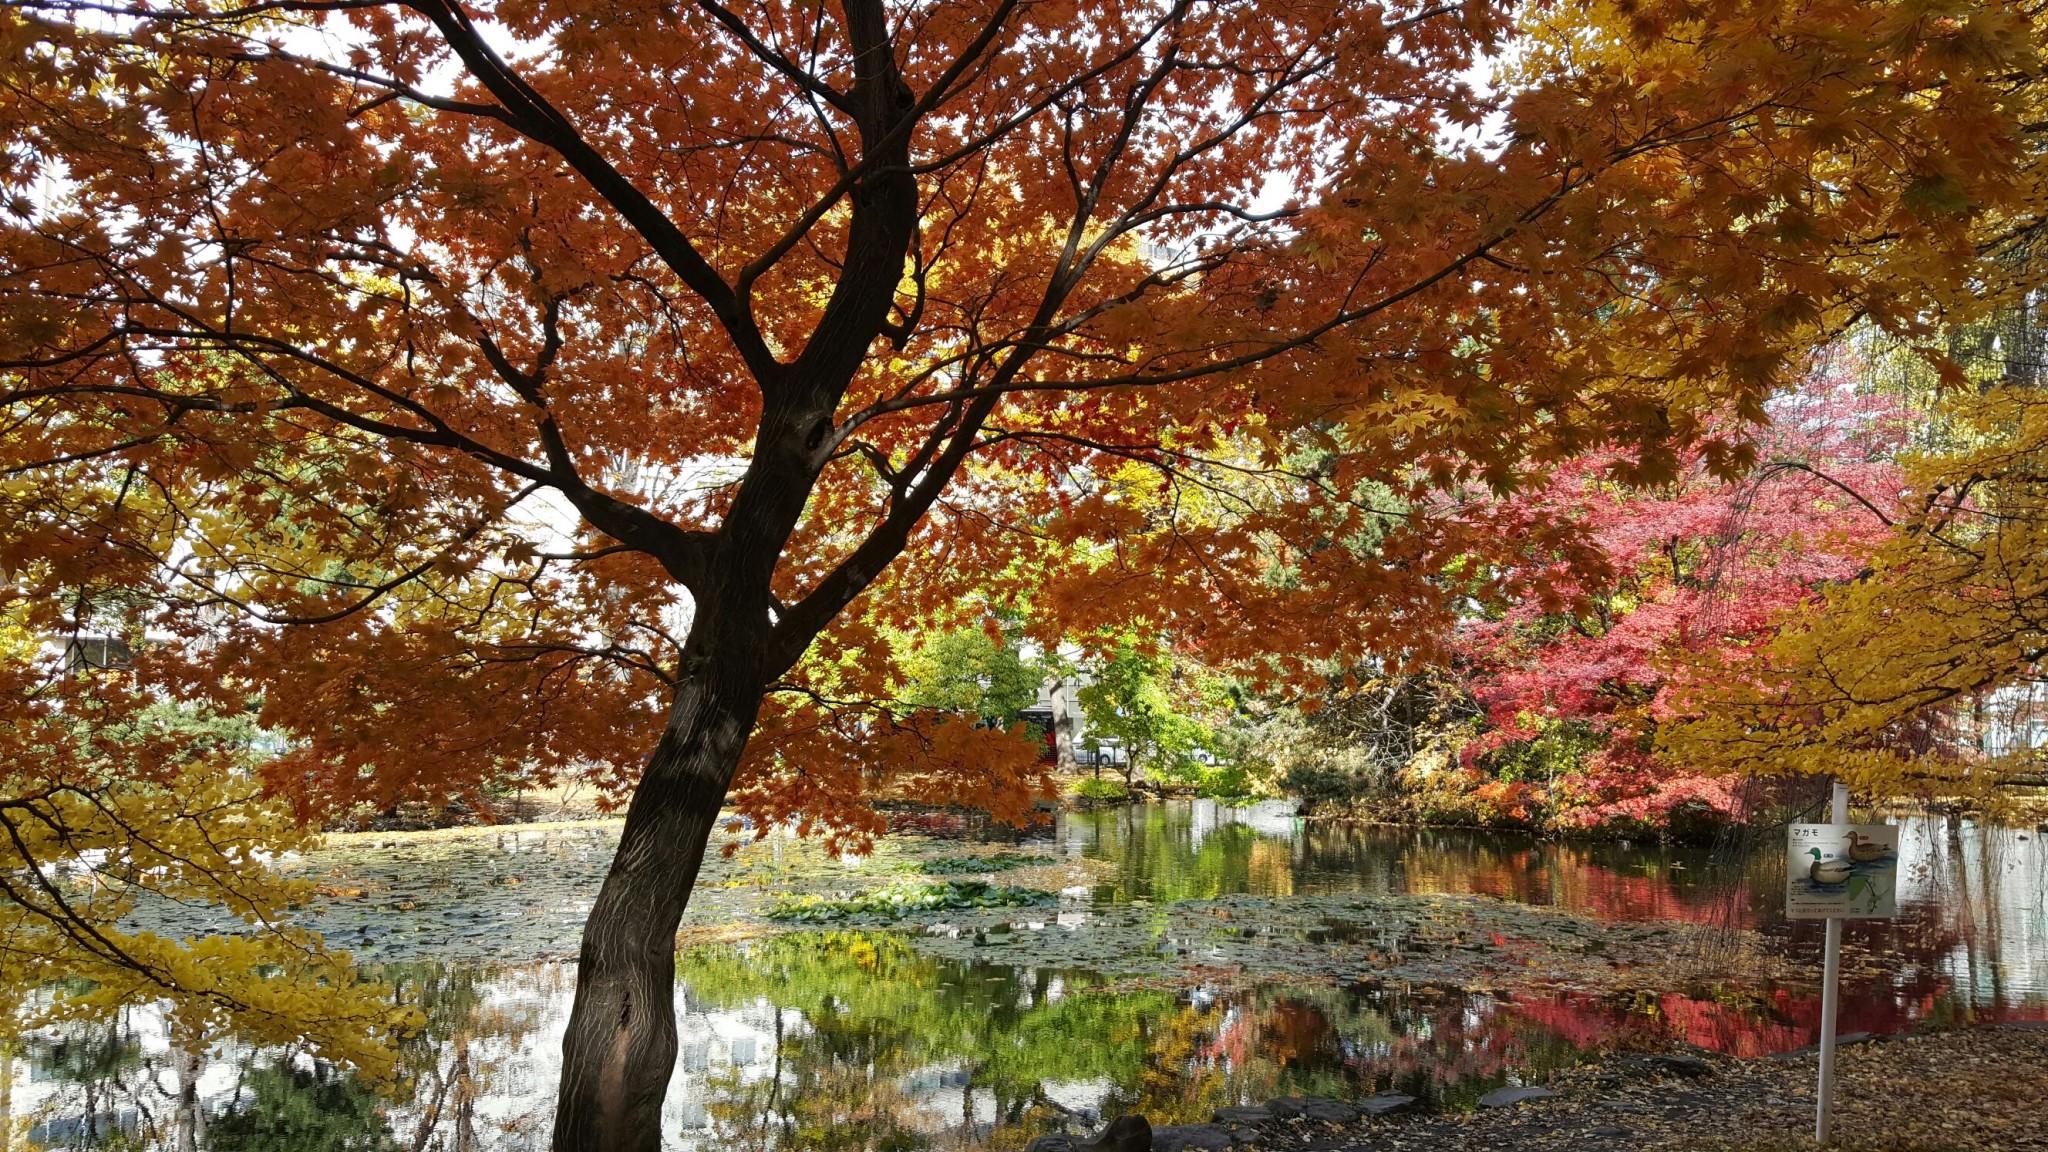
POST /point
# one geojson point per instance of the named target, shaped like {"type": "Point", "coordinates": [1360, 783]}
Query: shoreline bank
{"type": "Point", "coordinates": [2029, 817]}
{"type": "Point", "coordinates": [1964, 1090]}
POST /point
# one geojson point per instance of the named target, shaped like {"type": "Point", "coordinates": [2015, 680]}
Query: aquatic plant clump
{"type": "Point", "coordinates": [966, 865]}
{"type": "Point", "coordinates": [894, 901]}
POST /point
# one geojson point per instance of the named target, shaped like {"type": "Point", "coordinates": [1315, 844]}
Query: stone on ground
{"type": "Point", "coordinates": [1313, 1108]}
{"type": "Point", "coordinates": [1191, 1138]}
{"type": "Point", "coordinates": [1509, 1097]}
{"type": "Point", "coordinates": [1124, 1134]}
{"type": "Point", "coordinates": [1384, 1103]}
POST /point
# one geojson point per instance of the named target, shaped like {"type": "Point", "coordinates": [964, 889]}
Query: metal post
{"type": "Point", "coordinates": [1830, 1002]}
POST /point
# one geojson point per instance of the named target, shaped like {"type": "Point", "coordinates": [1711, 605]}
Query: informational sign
{"type": "Point", "coordinates": [1845, 870]}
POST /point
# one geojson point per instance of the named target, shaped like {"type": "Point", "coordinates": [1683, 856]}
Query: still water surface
{"type": "Point", "coordinates": [857, 1038]}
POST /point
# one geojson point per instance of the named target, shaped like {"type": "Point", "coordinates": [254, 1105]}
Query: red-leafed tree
{"type": "Point", "coordinates": [1571, 688]}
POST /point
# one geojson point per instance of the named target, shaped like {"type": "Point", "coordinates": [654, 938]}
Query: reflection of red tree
{"type": "Point", "coordinates": [1583, 886]}
{"type": "Point", "coordinates": [1777, 1021]}
{"type": "Point", "coordinates": [1581, 1021]}
{"type": "Point", "coordinates": [1744, 1029]}
{"type": "Point", "coordinates": [1236, 1040]}
{"type": "Point", "coordinates": [1419, 1040]}
{"type": "Point", "coordinates": [1451, 1040]}
{"type": "Point", "coordinates": [1435, 1041]}
{"type": "Point", "coordinates": [1566, 876]}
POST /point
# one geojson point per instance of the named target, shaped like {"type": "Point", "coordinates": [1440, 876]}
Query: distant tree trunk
{"type": "Point", "coordinates": [187, 1051]}
{"type": "Point", "coordinates": [6, 1095]}
{"type": "Point", "coordinates": [1063, 729]}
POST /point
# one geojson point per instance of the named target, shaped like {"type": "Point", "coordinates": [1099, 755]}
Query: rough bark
{"type": "Point", "coordinates": [620, 1045]}
{"type": "Point", "coordinates": [189, 1054]}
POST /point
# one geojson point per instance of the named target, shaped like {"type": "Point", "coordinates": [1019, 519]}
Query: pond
{"type": "Point", "coordinates": [1183, 956]}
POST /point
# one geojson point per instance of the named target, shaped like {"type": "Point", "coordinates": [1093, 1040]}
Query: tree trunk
{"type": "Point", "coordinates": [188, 1051]}
{"type": "Point", "coordinates": [464, 1091]}
{"type": "Point", "coordinates": [1063, 728]}
{"type": "Point", "coordinates": [6, 1095]}
{"type": "Point", "coordinates": [620, 1046]}
{"type": "Point", "coordinates": [621, 1042]}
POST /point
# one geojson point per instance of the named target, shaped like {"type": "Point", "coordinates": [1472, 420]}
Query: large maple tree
{"type": "Point", "coordinates": [536, 387]}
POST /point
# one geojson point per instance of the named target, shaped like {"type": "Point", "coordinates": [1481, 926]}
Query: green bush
{"type": "Point", "coordinates": [1102, 789]}
{"type": "Point", "coordinates": [895, 901]}
{"type": "Point", "coordinates": [1224, 782]}
{"type": "Point", "coordinates": [287, 1109]}
{"type": "Point", "coordinates": [1559, 748]}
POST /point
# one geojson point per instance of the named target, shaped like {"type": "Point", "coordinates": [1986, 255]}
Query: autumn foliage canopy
{"type": "Point", "coordinates": [307, 330]}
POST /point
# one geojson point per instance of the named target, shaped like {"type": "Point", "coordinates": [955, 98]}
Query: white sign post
{"type": "Point", "coordinates": [1836, 871]}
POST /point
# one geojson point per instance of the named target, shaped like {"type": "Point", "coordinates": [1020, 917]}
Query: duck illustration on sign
{"type": "Point", "coordinates": [1827, 871]}
{"type": "Point", "coordinates": [1841, 870]}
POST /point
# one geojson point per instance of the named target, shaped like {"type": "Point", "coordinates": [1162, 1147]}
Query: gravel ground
{"type": "Point", "coordinates": [1978, 1090]}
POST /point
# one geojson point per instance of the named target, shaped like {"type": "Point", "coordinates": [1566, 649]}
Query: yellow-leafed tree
{"type": "Point", "coordinates": [1902, 681]}
{"type": "Point", "coordinates": [119, 809]}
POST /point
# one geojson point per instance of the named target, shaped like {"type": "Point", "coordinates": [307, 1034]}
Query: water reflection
{"type": "Point", "coordinates": [1970, 942]}
{"type": "Point", "coordinates": [857, 1040]}
{"type": "Point", "coordinates": [845, 1040]}
{"type": "Point", "coordinates": [1973, 900]}
{"type": "Point", "coordinates": [1201, 849]}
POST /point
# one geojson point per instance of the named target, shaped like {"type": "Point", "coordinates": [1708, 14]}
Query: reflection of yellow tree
{"type": "Point", "coordinates": [1178, 1085]}
{"type": "Point", "coordinates": [1269, 865]}
{"type": "Point", "coordinates": [842, 1107]}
